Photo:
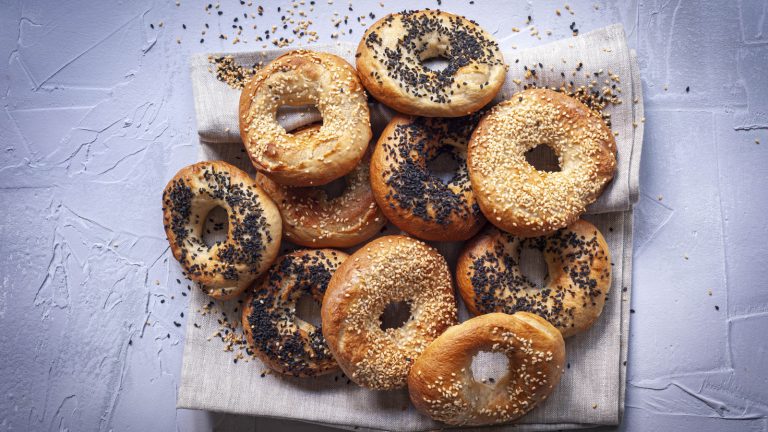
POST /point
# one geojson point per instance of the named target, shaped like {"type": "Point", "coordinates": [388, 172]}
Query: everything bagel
{"type": "Point", "coordinates": [572, 298]}
{"type": "Point", "coordinates": [226, 268]}
{"type": "Point", "coordinates": [390, 62]}
{"type": "Point", "coordinates": [411, 196]}
{"type": "Point", "coordinates": [282, 340]}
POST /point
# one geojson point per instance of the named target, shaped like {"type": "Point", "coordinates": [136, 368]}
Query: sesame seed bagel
{"type": "Point", "coordinates": [312, 219]}
{"type": "Point", "coordinates": [578, 281]}
{"type": "Point", "coordinates": [442, 386]}
{"type": "Point", "coordinates": [387, 270]}
{"type": "Point", "coordinates": [390, 62]}
{"type": "Point", "coordinates": [281, 340]}
{"type": "Point", "coordinates": [409, 194]}
{"type": "Point", "coordinates": [305, 78]}
{"type": "Point", "coordinates": [515, 196]}
{"type": "Point", "coordinates": [226, 268]}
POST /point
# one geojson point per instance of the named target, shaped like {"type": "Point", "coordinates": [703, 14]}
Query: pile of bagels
{"type": "Point", "coordinates": [439, 112]}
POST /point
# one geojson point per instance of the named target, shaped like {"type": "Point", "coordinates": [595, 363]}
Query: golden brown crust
{"type": "Point", "coordinates": [226, 268]}
{"type": "Point", "coordinates": [311, 219]}
{"type": "Point", "coordinates": [281, 340]}
{"type": "Point", "coordinates": [579, 276]}
{"type": "Point", "coordinates": [403, 83]}
{"type": "Point", "coordinates": [388, 269]}
{"type": "Point", "coordinates": [441, 384]}
{"type": "Point", "coordinates": [512, 194]}
{"type": "Point", "coordinates": [409, 195]}
{"type": "Point", "coordinates": [299, 78]}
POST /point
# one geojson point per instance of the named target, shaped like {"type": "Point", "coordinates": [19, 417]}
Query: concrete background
{"type": "Point", "coordinates": [97, 115]}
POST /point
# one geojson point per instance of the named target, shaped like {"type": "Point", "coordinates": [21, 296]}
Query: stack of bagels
{"type": "Point", "coordinates": [388, 179]}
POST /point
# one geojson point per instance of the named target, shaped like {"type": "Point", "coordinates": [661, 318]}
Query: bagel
{"type": "Point", "coordinates": [390, 62]}
{"type": "Point", "coordinates": [442, 386]}
{"type": "Point", "coordinates": [411, 197]}
{"type": "Point", "coordinates": [281, 340]}
{"type": "Point", "coordinates": [387, 270]}
{"type": "Point", "coordinates": [312, 219]}
{"type": "Point", "coordinates": [515, 196]}
{"type": "Point", "coordinates": [578, 281]}
{"type": "Point", "coordinates": [300, 78]}
{"type": "Point", "coordinates": [226, 268]}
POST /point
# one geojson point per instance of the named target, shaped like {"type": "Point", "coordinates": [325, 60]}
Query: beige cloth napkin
{"type": "Point", "coordinates": [591, 392]}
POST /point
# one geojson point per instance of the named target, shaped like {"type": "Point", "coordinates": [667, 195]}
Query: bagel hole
{"type": "Point", "coordinates": [308, 309]}
{"type": "Point", "coordinates": [215, 226]}
{"type": "Point", "coordinates": [489, 367]}
{"type": "Point", "coordinates": [543, 158]}
{"type": "Point", "coordinates": [435, 64]}
{"type": "Point", "coordinates": [534, 266]}
{"type": "Point", "coordinates": [295, 117]}
{"type": "Point", "coordinates": [395, 315]}
{"type": "Point", "coordinates": [443, 166]}
{"type": "Point", "coordinates": [335, 188]}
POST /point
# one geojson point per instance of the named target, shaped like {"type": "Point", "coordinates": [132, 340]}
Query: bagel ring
{"type": "Point", "coordinates": [226, 268]}
{"type": "Point", "coordinates": [390, 62]}
{"type": "Point", "coordinates": [300, 78]}
{"type": "Point", "coordinates": [442, 386]}
{"type": "Point", "coordinates": [387, 270]}
{"type": "Point", "coordinates": [280, 339]}
{"type": "Point", "coordinates": [311, 219]}
{"type": "Point", "coordinates": [515, 196]}
{"type": "Point", "coordinates": [578, 281]}
{"type": "Point", "coordinates": [413, 198]}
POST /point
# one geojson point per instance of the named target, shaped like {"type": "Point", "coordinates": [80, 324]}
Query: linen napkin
{"type": "Point", "coordinates": [591, 392]}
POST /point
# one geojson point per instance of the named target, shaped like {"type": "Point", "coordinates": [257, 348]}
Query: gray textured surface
{"type": "Point", "coordinates": [97, 115]}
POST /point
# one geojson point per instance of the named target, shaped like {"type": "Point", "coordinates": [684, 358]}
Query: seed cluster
{"type": "Point", "coordinates": [426, 34]}
{"type": "Point", "coordinates": [601, 89]}
{"type": "Point", "coordinates": [412, 187]}
{"type": "Point", "coordinates": [231, 73]}
{"type": "Point", "coordinates": [229, 331]}
{"type": "Point", "coordinates": [295, 346]}
{"type": "Point", "coordinates": [186, 202]}
{"type": "Point", "coordinates": [578, 280]}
